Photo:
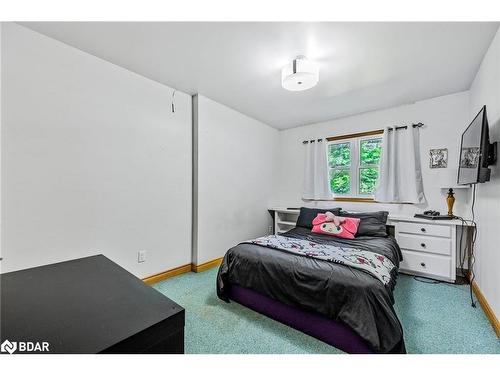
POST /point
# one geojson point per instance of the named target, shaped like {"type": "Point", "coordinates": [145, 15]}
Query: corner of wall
{"type": "Point", "coordinates": [194, 214]}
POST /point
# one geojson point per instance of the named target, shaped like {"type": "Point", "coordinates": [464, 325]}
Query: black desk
{"type": "Point", "coordinates": [89, 305]}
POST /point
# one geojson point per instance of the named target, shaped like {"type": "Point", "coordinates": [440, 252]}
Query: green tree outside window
{"type": "Point", "coordinates": [370, 150]}
{"type": "Point", "coordinates": [367, 180]}
{"type": "Point", "coordinates": [340, 181]}
{"type": "Point", "coordinates": [339, 155]}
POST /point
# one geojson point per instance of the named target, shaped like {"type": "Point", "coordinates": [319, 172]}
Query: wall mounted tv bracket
{"type": "Point", "coordinates": [492, 153]}
{"type": "Point", "coordinates": [484, 172]}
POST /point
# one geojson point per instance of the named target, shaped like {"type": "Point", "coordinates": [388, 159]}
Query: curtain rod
{"type": "Point", "coordinates": [419, 125]}
{"type": "Point", "coordinates": [313, 140]}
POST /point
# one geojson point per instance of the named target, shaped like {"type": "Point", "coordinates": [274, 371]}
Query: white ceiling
{"type": "Point", "coordinates": [363, 66]}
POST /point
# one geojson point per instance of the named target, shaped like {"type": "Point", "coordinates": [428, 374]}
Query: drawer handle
{"type": "Point", "coordinates": [422, 244]}
{"type": "Point", "coordinates": [422, 264]}
{"type": "Point", "coordinates": [422, 229]}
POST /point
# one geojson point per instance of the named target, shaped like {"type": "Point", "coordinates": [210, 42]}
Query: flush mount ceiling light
{"type": "Point", "coordinates": [301, 74]}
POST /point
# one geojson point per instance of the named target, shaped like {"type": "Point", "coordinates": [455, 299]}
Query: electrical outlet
{"type": "Point", "coordinates": [270, 229]}
{"type": "Point", "coordinates": [141, 256]}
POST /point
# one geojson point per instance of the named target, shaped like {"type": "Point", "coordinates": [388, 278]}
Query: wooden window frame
{"type": "Point", "coordinates": [356, 135]}
{"type": "Point", "coordinates": [355, 166]}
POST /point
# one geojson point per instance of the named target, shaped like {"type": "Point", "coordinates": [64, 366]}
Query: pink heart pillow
{"type": "Point", "coordinates": [343, 227]}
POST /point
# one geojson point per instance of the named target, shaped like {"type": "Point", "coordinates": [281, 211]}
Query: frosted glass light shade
{"type": "Point", "coordinates": [301, 74]}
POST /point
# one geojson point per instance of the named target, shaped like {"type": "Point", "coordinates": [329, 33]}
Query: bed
{"type": "Point", "coordinates": [340, 305]}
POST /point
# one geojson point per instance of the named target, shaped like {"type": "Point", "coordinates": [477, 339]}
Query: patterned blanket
{"type": "Point", "coordinates": [375, 264]}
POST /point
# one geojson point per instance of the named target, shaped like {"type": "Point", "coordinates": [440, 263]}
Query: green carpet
{"type": "Point", "coordinates": [436, 318]}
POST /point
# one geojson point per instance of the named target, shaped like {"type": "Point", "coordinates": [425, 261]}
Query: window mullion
{"type": "Point", "coordinates": [354, 167]}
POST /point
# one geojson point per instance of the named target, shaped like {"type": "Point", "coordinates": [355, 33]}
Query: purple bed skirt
{"type": "Point", "coordinates": [334, 333]}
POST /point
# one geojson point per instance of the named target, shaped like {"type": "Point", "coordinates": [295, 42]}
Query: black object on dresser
{"type": "Point", "coordinates": [88, 305]}
{"type": "Point", "coordinates": [434, 216]}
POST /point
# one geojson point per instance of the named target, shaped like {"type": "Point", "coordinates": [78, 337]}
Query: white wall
{"type": "Point", "coordinates": [93, 160]}
{"type": "Point", "coordinates": [444, 118]}
{"type": "Point", "coordinates": [485, 90]}
{"type": "Point", "coordinates": [236, 165]}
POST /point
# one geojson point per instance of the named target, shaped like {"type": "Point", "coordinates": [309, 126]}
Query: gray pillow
{"type": "Point", "coordinates": [371, 224]}
{"type": "Point", "coordinates": [307, 215]}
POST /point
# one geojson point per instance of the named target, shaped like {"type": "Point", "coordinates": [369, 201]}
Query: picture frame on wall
{"type": "Point", "coordinates": [438, 158]}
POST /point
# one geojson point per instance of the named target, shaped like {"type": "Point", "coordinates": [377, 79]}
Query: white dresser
{"type": "Point", "coordinates": [429, 247]}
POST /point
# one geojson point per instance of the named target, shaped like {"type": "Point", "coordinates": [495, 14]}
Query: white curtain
{"type": "Point", "coordinates": [400, 179]}
{"type": "Point", "coordinates": [316, 184]}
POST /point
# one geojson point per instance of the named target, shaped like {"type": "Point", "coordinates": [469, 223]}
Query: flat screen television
{"type": "Point", "coordinates": [476, 152]}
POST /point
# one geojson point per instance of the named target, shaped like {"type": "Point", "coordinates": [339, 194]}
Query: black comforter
{"type": "Point", "coordinates": [344, 294]}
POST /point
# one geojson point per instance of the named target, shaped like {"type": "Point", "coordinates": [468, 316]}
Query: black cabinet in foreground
{"type": "Point", "coordinates": [87, 305]}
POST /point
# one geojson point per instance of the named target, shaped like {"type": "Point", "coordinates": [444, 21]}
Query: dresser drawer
{"type": "Point", "coordinates": [425, 244]}
{"type": "Point", "coordinates": [428, 264]}
{"type": "Point", "coordinates": [423, 228]}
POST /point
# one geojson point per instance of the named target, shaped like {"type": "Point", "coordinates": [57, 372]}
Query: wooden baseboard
{"type": "Point", "coordinates": [182, 269]}
{"type": "Point", "coordinates": [167, 274]}
{"type": "Point", "coordinates": [488, 311]}
{"type": "Point", "coordinates": [207, 265]}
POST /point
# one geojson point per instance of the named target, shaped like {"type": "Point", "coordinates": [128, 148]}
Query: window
{"type": "Point", "coordinates": [353, 164]}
